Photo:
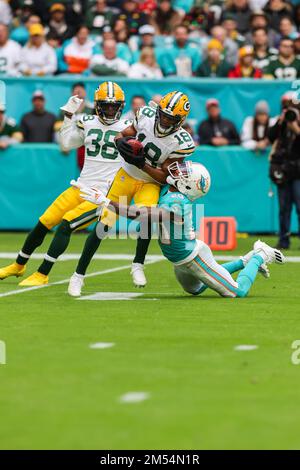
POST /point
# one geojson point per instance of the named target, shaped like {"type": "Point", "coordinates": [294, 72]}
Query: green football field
{"type": "Point", "coordinates": [178, 352]}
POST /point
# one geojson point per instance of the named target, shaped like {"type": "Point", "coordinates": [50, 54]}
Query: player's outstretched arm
{"type": "Point", "coordinates": [71, 135]}
{"type": "Point", "coordinates": [157, 214]}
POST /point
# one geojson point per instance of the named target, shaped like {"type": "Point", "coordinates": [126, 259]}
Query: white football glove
{"type": "Point", "coordinates": [95, 196]}
{"type": "Point", "coordinates": [78, 185]}
{"type": "Point", "coordinates": [72, 105]}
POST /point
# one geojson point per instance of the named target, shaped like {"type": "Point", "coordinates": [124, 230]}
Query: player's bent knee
{"type": "Point", "coordinates": [47, 221]}
{"type": "Point", "coordinates": [241, 293]}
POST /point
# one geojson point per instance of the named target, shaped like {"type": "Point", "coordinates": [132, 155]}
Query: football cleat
{"type": "Point", "coordinates": [138, 275]}
{"type": "Point", "coordinates": [75, 285]}
{"type": "Point", "coordinates": [14, 269]}
{"type": "Point", "coordinates": [36, 279]}
{"type": "Point", "coordinates": [263, 269]}
{"type": "Point", "coordinates": [269, 254]}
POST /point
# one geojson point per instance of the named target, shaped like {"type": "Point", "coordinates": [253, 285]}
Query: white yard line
{"type": "Point", "coordinates": [122, 257]}
{"type": "Point", "coordinates": [65, 281]}
{"type": "Point", "coordinates": [75, 256]}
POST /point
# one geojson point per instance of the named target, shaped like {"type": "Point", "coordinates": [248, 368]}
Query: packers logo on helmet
{"type": "Point", "coordinates": [109, 102]}
{"type": "Point", "coordinates": [171, 113]}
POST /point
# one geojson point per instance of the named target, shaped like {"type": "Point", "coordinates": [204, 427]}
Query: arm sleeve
{"type": "Point", "coordinates": [71, 135]}
{"type": "Point", "coordinates": [234, 138]}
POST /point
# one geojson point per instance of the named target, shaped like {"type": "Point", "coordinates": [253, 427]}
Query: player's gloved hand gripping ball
{"type": "Point", "coordinates": [72, 105]}
{"type": "Point", "coordinates": [132, 151]}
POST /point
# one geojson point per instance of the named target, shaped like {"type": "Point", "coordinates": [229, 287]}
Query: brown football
{"type": "Point", "coordinates": [136, 146]}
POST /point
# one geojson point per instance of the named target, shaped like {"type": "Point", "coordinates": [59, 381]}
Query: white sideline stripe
{"type": "Point", "coordinates": [101, 345]}
{"type": "Point", "coordinates": [245, 347]}
{"type": "Point", "coordinates": [134, 397]}
{"type": "Point", "coordinates": [122, 257]}
{"type": "Point", "coordinates": [65, 281]}
{"type": "Point", "coordinates": [75, 256]}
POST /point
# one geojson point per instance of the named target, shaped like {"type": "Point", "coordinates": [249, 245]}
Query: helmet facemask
{"type": "Point", "coordinates": [165, 123]}
{"type": "Point", "coordinates": [109, 112]}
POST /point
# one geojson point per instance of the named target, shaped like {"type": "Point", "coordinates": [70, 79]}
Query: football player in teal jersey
{"type": "Point", "coordinates": [194, 264]}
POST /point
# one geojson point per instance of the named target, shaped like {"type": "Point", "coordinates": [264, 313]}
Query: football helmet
{"type": "Point", "coordinates": [109, 102]}
{"type": "Point", "coordinates": [171, 112]}
{"type": "Point", "coordinates": [190, 178]}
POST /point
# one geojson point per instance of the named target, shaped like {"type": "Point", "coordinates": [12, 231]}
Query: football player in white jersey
{"type": "Point", "coordinates": [141, 176]}
{"type": "Point", "coordinates": [102, 161]}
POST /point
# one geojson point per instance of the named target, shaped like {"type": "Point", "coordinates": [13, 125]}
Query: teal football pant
{"type": "Point", "coordinates": [204, 271]}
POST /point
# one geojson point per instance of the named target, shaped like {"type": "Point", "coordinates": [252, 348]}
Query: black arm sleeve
{"type": "Point", "coordinates": [274, 131]}
{"type": "Point", "coordinates": [234, 138]}
{"type": "Point", "coordinates": [205, 134]}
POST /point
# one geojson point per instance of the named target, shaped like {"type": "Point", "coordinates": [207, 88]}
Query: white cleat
{"type": "Point", "coordinates": [263, 269]}
{"type": "Point", "coordinates": [269, 254]}
{"type": "Point", "coordinates": [138, 275]}
{"type": "Point", "coordinates": [75, 285]}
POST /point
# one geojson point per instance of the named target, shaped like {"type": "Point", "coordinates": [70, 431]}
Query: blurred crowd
{"type": "Point", "coordinates": [151, 38]}
{"type": "Point", "coordinates": [41, 126]}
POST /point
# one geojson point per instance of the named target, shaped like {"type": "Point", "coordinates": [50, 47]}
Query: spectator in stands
{"type": "Point", "coordinates": [98, 17]}
{"type": "Point", "coordinates": [38, 125]}
{"type": "Point", "coordinates": [287, 66]}
{"type": "Point", "coordinates": [287, 28]}
{"type": "Point", "coordinates": [132, 16]}
{"type": "Point", "coordinates": [9, 132]}
{"type": "Point", "coordinates": [259, 20]}
{"type": "Point", "coordinates": [229, 22]}
{"type": "Point", "coordinates": [165, 18]}
{"type": "Point", "coordinates": [214, 65]}
{"type": "Point", "coordinates": [121, 31]}
{"type": "Point", "coordinates": [137, 102]}
{"type": "Point", "coordinates": [254, 134]}
{"type": "Point", "coordinates": [76, 54]}
{"type": "Point", "coordinates": [263, 54]}
{"type": "Point", "coordinates": [21, 33]}
{"type": "Point", "coordinates": [275, 10]}
{"type": "Point", "coordinates": [230, 48]}
{"type": "Point", "coordinates": [146, 67]}
{"type": "Point", "coordinates": [58, 23]}
{"type": "Point", "coordinates": [245, 67]}
{"type": "Point", "coordinates": [242, 12]}
{"type": "Point", "coordinates": [5, 13]}
{"type": "Point", "coordinates": [10, 54]}
{"type": "Point", "coordinates": [199, 19]}
{"type": "Point", "coordinates": [147, 6]}
{"type": "Point", "coordinates": [38, 58]}
{"type": "Point", "coordinates": [108, 63]}
{"type": "Point", "coordinates": [144, 39]}
{"type": "Point", "coordinates": [215, 130]}
{"type": "Point", "coordinates": [181, 59]}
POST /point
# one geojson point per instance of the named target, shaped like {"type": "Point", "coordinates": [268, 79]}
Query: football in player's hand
{"type": "Point", "coordinates": [137, 147]}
